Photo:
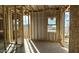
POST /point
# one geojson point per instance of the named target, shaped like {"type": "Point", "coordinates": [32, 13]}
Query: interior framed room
{"type": "Point", "coordinates": [39, 29]}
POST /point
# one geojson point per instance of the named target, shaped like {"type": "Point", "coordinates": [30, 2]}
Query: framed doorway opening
{"type": "Point", "coordinates": [66, 29]}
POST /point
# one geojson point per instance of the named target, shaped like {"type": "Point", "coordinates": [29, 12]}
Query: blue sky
{"type": "Point", "coordinates": [52, 21]}
{"type": "Point", "coordinates": [25, 20]}
{"type": "Point", "coordinates": [67, 18]}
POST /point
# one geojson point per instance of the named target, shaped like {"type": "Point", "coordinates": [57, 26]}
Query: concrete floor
{"type": "Point", "coordinates": [49, 47]}
{"type": "Point", "coordinates": [45, 47]}
{"type": "Point", "coordinates": [66, 43]}
{"type": "Point", "coordinates": [20, 49]}
{"type": "Point", "coordinates": [1, 45]}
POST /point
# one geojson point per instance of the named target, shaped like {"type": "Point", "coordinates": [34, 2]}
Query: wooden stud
{"type": "Point", "coordinates": [22, 28]}
{"type": "Point", "coordinates": [28, 25]}
{"type": "Point", "coordinates": [15, 14]}
{"type": "Point", "coordinates": [4, 25]}
{"type": "Point", "coordinates": [31, 24]}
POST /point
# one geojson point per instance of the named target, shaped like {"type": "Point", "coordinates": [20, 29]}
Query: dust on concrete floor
{"type": "Point", "coordinates": [49, 47]}
{"type": "Point", "coordinates": [1, 45]}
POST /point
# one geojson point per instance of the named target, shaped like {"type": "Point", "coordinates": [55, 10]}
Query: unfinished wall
{"type": "Point", "coordinates": [10, 29]}
{"type": "Point", "coordinates": [51, 35]}
{"type": "Point", "coordinates": [39, 26]}
{"type": "Point", "coordinates": [39, 23]}
{"type": "Point", "coordinates": [74, 29]}
{"type": "Point", "coordinates": [58, 25]}
{"type": "Point", "coordinates": [62, 25]}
